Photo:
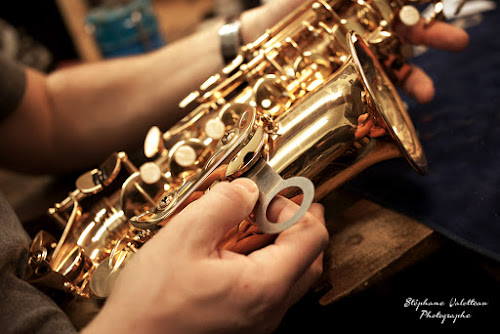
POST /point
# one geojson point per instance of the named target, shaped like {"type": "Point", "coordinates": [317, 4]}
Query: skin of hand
{"type": "Point", "coordinates": [180, 282]}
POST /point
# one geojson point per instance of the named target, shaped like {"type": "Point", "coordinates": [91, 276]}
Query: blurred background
{"type": "Point", "coordinates": [47, 34]}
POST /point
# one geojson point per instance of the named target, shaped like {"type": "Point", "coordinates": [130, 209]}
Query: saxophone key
{"type": "Point", "coordinates": [409, 15]}
{"type": "Point", "coordinates": [215, 128]}
{"type": "Point", "coordinates": [185, 156]}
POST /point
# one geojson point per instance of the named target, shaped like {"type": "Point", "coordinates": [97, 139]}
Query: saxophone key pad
{"type": "Point", "coordinates": [150, 172]}
{"type": "Point", "coordinates": [185, 156]}
{"type": "Point", "coordinates": [215, 128]}
{"type": "Point", "coordinates": [409, 15]}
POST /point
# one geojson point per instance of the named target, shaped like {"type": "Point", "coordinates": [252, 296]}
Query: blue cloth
{"type": "Point", "coordinates": [460, 133]}
{"type": "Point", "coordinates": [118, 35]}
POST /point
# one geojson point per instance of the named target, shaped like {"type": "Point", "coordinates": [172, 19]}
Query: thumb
{"type": "Point", "coordinates": [204, 222]}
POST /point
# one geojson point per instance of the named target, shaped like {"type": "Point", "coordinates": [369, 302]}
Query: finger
{"type": "Point", "coordinates": [296, 248]}
{"type": "Point", "coordinates": [204, 222]}
{"type": "Point", "coordinates": [191, 198]}
{"type": "Point", "coordinates": [280, 203]}
{"type": "Point", "coordinates": [419, 85]}
{"type": "Point", "coordinates": [306, 281]}
{"type": "Point", "coordinates": [437, 35]}
{"type": "Point", "coordinates": [215, 176]}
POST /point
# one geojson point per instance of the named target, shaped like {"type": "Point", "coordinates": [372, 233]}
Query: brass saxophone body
{"type": "Point", "coordinates": [307, 106]}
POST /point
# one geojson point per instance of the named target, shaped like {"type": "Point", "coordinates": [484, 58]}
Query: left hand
{"type": "Point", "coordinates": [438, 35]}
{"type": "Point", "coordinates": [417, 84]}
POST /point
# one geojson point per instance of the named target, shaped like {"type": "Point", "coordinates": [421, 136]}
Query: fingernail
{"type": "Point", "coordinates": [246, 184]}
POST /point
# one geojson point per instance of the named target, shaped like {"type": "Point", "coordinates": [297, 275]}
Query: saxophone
{"type": "Point", "coordinates": [300, 111]}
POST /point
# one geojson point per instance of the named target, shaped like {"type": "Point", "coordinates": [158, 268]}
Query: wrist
{"type": "Point", "coordinates": [230, 39]}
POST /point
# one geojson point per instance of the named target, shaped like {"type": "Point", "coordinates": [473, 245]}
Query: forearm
{"type": "Point", "coordinates": [80, 115]}
{"type": "Point", "coordinates": [113, 112]}
{"type": "Point", "coordinates": [84, 113]}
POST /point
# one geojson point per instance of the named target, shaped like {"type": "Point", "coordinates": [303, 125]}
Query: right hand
{"type": "Point", "coordinates": [181, 282]}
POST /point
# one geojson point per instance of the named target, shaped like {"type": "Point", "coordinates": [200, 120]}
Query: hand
{"type": "Point", "coordinates": [437, 35]}
{"type": "Point", "coordinates": [181, 282]}
{"type": "Point", "coordinates": [417, 84]}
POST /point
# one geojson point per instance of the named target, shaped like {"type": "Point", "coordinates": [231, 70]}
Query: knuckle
{"type": "Point", "coordinates": [317, 269]}
{"type": "Point", "coordinates": [323, 235]}
{"type": "Point", "coordinates": [317, 226]}
{"type": "Point", "coordinates": [233, 194]}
